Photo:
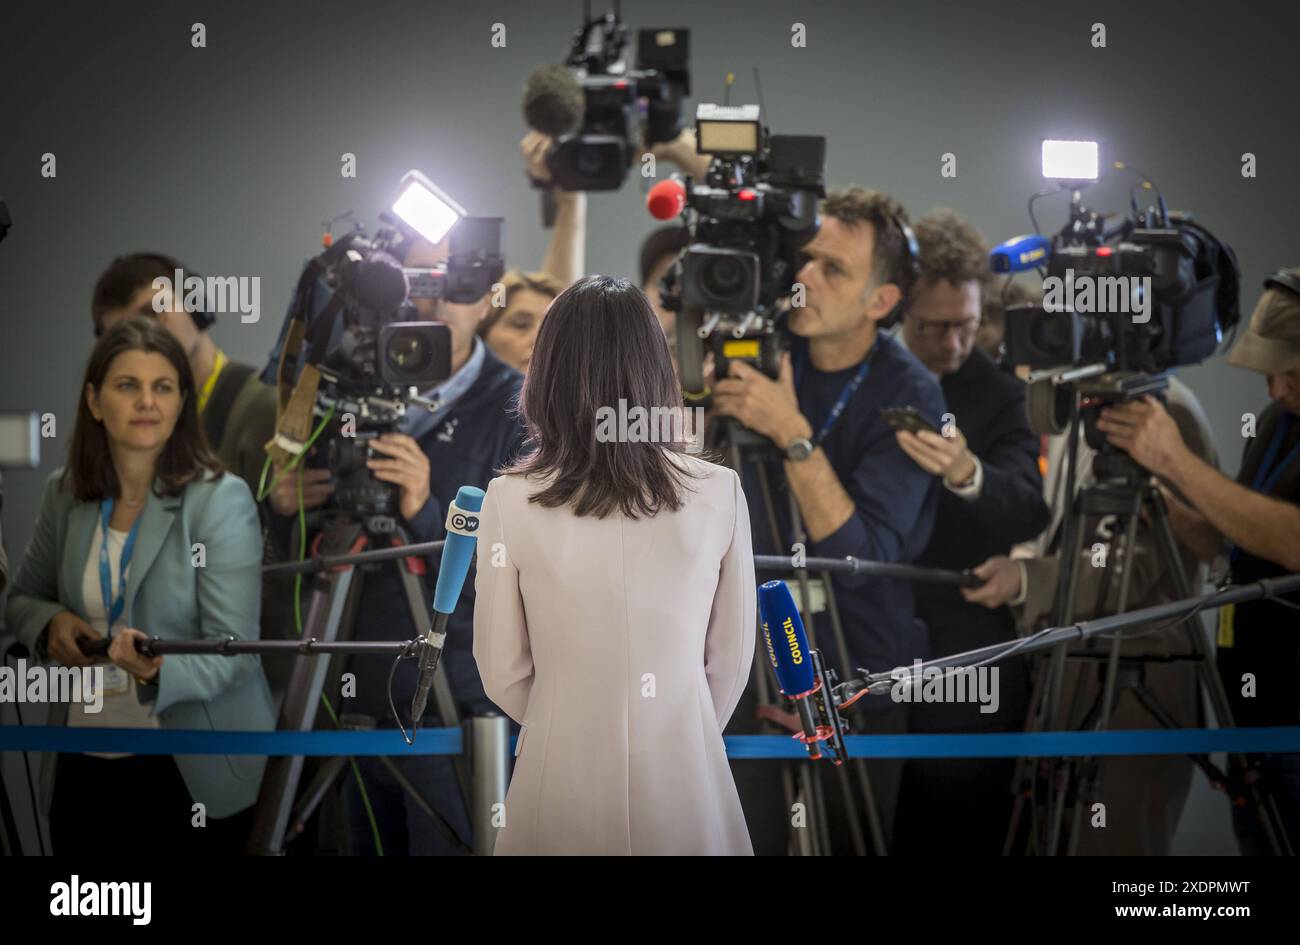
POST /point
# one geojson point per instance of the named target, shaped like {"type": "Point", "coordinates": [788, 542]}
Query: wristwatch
{"type": "Point", "coordinates": [799, 450]}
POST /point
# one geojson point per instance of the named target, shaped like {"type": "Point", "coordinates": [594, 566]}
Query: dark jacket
{"type": "Point", "coordinates": [988, 407]}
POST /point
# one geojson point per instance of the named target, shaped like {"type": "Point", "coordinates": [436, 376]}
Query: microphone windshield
{"type": "Point", "coordinates": [666, 199]}
{"type": "Point", "coordinates": [553, 101]}
{"type": "Point", "coordinates": [376, 282]}
{"type": "Point", "coordinates": [1020, 253]}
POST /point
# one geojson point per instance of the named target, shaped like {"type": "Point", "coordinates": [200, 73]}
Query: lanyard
{"type": "Point", "coordinates": [210, 384]}
{"type": "Point", "coordinates": [113, 606]}
{"type": "Point", "coordinates": [846, 394]}
{"type": "Point", "coordinates": [1270, 472]}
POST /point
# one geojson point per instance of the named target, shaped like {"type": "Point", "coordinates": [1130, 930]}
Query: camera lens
{"type": "Point", "coordinates": [723, 277]}
{"type": "Point", "coordinates": [407, 352]}
{"type": "Point", "coordinates": [590, 161]}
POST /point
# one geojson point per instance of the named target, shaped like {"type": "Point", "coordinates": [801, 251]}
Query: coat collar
{"type": "Point", "coordinates": [155, 522]}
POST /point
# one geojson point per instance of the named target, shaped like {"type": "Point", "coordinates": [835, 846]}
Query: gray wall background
{"type": "Point", "coordinates": [229, 157]}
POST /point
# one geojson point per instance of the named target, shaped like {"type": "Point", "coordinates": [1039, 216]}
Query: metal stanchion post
{"type": "Point", "coordinates": [489, 749]}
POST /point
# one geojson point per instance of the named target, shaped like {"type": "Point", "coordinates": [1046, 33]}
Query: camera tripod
{"type": "Point", "coordinates": [1127, 492]}
{"type": "Point", "coordinates": [331, 616]}
{"type": "Point", "coordinates": [742, 446]}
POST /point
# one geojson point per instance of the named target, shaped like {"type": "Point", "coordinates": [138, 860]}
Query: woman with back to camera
{"type": "Point", "coordinates": [142, 534]}
{"type": "Point", "coordinates": [615, 606]}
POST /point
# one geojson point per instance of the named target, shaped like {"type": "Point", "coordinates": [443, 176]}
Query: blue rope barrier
{"type": "Point", "coordinates": [447, 741]}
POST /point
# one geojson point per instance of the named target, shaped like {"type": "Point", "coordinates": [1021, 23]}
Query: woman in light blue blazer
{"type": "Point", "coordinates": [141, 535]}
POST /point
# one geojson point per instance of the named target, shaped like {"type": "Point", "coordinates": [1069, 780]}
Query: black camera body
{"type": "Point", "coordinates": [749, 221]}
{"type": "Point", "coordinates": [364, 337]}
{"type": "Point", "coordinates": [1160, 296]}
{"type": "Point", "coordinates": [598, 155]}
{"type": "Point", "coordinates": [363, 332]}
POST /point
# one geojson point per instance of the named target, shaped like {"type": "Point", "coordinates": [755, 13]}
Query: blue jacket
{"type": "Point", "coordinates": [167, 596]}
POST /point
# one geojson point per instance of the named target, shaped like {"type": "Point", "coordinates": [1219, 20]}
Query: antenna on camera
{"type": "Point", "coordinates": [758, 92]}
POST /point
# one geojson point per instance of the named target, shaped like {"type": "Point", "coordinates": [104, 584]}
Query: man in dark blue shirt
{"type": "Point", "coordinates": [856, 491]}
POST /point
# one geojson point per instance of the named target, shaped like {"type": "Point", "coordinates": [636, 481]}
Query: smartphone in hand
{"type": "Point", "coordinates": [906, 418]}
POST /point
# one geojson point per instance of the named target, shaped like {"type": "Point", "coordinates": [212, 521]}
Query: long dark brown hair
{"type": "Point", "coordinates": [186, 457]}
{"type": "Point", "coordinates": [599, 343]}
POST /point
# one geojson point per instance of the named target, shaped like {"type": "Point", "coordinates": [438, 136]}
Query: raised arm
{"type": "Point", "coordinates": [566, 253]}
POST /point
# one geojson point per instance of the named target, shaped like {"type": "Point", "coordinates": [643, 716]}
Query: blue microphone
{"type": "Point", "coordinates": [787, 644]}
{"type": "Point", "coordinates": [1020, 253]}
{"type": "Point", "coordinates": [799, 671]}
{"type": "Point", "coordinates": [457, 552]}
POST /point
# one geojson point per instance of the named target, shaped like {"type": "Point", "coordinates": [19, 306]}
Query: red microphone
{"type": "Point", "coordinates": [666, 199]}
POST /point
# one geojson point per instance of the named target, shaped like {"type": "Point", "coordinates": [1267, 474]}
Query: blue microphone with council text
{"type": "Point", "coordinates": [800, 672]}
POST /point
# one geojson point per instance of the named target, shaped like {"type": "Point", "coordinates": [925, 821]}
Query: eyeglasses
{"type": "Point", "coordinates": [965, 328]}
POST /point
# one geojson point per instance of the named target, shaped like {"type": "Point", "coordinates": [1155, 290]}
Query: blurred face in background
{"type": "Point", "coordinates": [942, 322]}
{"type": "Point", "coordinates": [176, 320]}
{"type": "Point", "coordinates": [651, 289]}
{"type": "Point", "coordinates": [513, 334]}
{"type": "Point", "coordinates": [462, 319]}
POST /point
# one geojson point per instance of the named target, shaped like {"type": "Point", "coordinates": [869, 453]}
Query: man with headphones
{"type": "Point", "coordinates": [236, 409]}
{"type": "Point", "coordinates": [1257, 517]}
{"type": "Point", "coordinates": [836, 460]}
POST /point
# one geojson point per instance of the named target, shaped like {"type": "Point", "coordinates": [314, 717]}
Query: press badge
{"type": "Point", "coordinates": [116, 681]}
{"type": "Point", "coordinates": [1226, 614]}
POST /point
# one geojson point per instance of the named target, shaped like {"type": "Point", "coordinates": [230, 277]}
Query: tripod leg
{"type": "Point", "coordinates": [298, 714]}
{"type": "Point", "coordinates": [313, 794]}
{"type": "Point", "coordinates": [439, 822]}
{"type": "Point", "coordinates": [1084, 774]}
{"type": "Point", "coordinates": [837, 630]}
{"type": "Point", "coordinates": [1269, 818]}
{"type": "Point", "coordinates": [845, 777]}
{"type": "Point", "coordinates": [764, 681]}
{"type": "Point", "coordinates": [418, 605]}
{"type": "Point", "coordinates": [1059, 775]}
{"type": "Point", "coordinates": [803, 839]}
{"type": "Point", "coordinates": [1147, 699]}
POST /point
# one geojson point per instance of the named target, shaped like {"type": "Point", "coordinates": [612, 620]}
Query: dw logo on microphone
{"type": "Point", "coordinates": [461, 522]}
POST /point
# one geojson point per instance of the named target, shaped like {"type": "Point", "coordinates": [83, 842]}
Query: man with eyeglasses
{"type": "Point", "coordinates": [992, 498]}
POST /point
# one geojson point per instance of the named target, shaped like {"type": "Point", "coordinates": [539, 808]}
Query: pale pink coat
{"type": "Point", "coordinates": [622, 646]}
